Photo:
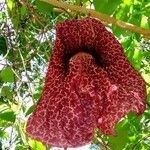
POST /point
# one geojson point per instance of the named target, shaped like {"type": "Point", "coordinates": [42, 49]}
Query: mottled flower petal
{"type": "Point", "coordinates": [89, 84]}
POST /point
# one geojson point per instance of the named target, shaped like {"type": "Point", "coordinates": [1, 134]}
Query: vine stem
{"type": "Point", "coordinates": [101, 16]}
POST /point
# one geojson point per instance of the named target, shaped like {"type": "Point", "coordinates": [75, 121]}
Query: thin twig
{"type": "Point", "coordinates": [24, 66]}
{"type": "Point", "coordinates": [99, 138]}
{"type": "Point", "coordinates": [32, 10]}
{"type": "Point", "coordinates": [35, 14]}
{"type": "Point", "coordinates": [11, 137]}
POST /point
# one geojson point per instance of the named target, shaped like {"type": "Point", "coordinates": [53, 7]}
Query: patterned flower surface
{"type": "Point", "coordinates": [89, 84]}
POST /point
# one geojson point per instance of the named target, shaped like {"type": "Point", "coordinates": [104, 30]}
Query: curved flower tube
{"type": "Point", "coordinates": [89, 84]}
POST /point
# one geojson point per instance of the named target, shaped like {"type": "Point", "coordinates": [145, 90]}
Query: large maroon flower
{"type": "Point", "coordinates": [89, 84]}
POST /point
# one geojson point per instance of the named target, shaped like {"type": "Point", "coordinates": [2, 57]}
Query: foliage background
{"type": "Point", "coordinates": [26, 38]}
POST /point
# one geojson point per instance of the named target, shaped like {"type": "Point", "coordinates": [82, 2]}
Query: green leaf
{"type": "Point", "coordinates": [134, 121]}
{"type": "Point", "coordinates": [36, 145]}
{"type": "Point", "coordinates": [30, 110]}
{"type": "Point", "coordinates": [126, 42]}
{"type": "Point", "coordinates": [43, 6]}
{"type": "Point", "coordinates": [23, 10]}
{"type": "Point", "coordinates": [122, 139]}
{"type": "Point", "coordinates": [3, 134]}
{"type": "Point", "coordinates": [8, 116]}
{"type": "Point", "coordinates": [10, 4]}
{"type": "Point", "coordinates": [148, 98]}
{"type": "Point", "coordinates": [21, 147]}
{"type": "Point", "coordinates": [13, 12]}
{"type": "Point", "coordinates": [6, 92]}
{"type": "Point", "coordinates": [144, 22]}
{"type": "Point", "coordinates": [138, 56]}
{"type": "Point", "coordinates": [106, 6]}
{"type": "Point", "coordinates": [146, 77]}
{"type": "Point", "coordinates": [121, 14]}
{"type": "Point", "coordinates": [7, 75]}
{"type": "Point", "coordinates": [135, 19]}
{"type": "Point", "coordinates": [37, 96]}
{"type": "Point", "coordinates": [3, 45]}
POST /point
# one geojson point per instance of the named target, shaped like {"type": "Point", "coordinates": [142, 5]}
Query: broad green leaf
{"type": "Point", "coordinates": [43, 6]}
{"type": "Point", "coordinates": [135, 19]}
{"type": "Point", "coordinates": [137, 58]}
{"type": "Point", "coordinates": [8, 116]}
{"type": "Point", "coordinates": [130, 53]}
{"type": "Point", "coordinates": [3, 134]}
{"type": "Point", "coordinates": [37, 96]}
{"type": "Point", "coordinates": [134, 121]}
{"type": "Point", "coordinates": [126, 42]}
{"type": "Point", "coordinates": [2, 101]}
{"type": "Point", "coordinates": [144, 22]}
{"type": "Point", "coordinates": [6, 92]}
{"type": "Point", "coordinates": [121, 14]}
{"type": "Point", "coordinates": [106, 6]}
{"type": "Point", "coordinates": [146, 77]}
{"type": "Point", "coordinates": [36, 145]}
{"type": "Point", "coordinates": [120, 141]}
{"type": "Point", "coordinates": [133, 53]}
{"type": "Point", "coordinates": [5, 124]}
{"type": "Point", "coordinates": [10, 4]}
{"type": "Point", "coordinates": [30, 110]}
{"type": "Point", "coordinates": [3, 45]}
{"type": "Point", "coordinates": [7, 75]}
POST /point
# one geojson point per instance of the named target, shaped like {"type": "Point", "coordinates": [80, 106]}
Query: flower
{"type": "Point", "coordinates": [89, 84]}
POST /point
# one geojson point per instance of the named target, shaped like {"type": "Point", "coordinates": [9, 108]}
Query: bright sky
{"type": "Point", "coordinates": [1, 1]}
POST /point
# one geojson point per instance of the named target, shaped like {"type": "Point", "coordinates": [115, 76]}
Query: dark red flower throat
{"type": "Point", "coordinates": [89, 84]}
